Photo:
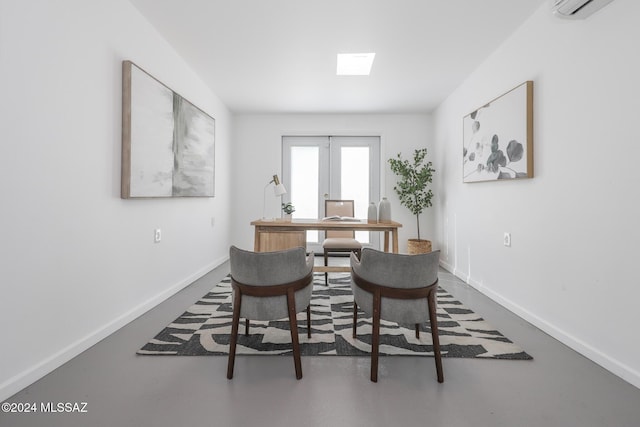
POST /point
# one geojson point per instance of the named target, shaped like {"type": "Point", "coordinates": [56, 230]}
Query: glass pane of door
{"type": "Point", "coordinates": [354, 182]}
{"type": "Point", "coordinates": [304, 179]}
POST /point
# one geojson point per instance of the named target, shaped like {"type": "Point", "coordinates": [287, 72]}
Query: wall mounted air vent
{"type": "Point", "coordinates": [577, 9]}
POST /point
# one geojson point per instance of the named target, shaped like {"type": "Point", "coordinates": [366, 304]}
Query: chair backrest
{"type": "Point", "coordinates": [398, 270]}
{"type": "Point", "coordinates": [270, 269]}
{"type": "Point", "coordinates": [395, 271]}
{"type": "Point", "coordinates": [340, 208]}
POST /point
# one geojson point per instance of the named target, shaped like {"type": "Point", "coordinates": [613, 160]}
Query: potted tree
{"type": "Point", "coordinates": [413, 180]}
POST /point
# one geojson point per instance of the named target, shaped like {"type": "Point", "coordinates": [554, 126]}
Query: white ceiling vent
{"type": "Point", "coordinates": [577, 9]}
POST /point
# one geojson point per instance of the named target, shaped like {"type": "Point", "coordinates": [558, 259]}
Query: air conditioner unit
{"type": "Point", "coordinates": [577, 9]}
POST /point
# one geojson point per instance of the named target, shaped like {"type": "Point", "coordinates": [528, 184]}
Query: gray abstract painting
{"type": "Point", "coordinates": [167, 142]}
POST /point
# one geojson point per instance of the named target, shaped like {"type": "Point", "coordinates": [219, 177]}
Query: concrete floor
{"type": "Point", "coordinates": [558, 388]}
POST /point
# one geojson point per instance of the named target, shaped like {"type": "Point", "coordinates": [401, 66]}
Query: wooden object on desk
{"type": "Point", "coordinates": [279, 239]}
{"type": "Point", "coordinates": [269, 241]}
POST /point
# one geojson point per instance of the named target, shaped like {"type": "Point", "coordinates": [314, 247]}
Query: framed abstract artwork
{"type": "Point", "coordinates": [168, 143]}
{"type": "Point", "coordinates": [498, 138]}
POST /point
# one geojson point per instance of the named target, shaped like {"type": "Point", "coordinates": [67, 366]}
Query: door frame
{"type": "Point", "coordinates": [330, 162]}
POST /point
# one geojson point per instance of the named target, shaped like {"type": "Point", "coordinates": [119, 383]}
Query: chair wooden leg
{"type": "Point", "coordinates": [326, 263]}
{"type": "Point", "coordinates": [375, 336]}
{"type": "Point", "coordinates": [417, 331]}
{"type": "Point", "coordinates": [355, 319]}
{"type": "Point", "coordinates": [434, 334]}
{"type": "Point", "coordinates": [293, 326]}
{"type": "Point", "coordinates": [234, 334]}
{"type": "Point", "coordinates": [246, 327]}
{"type": "Point", "coordinates": [309, 321]}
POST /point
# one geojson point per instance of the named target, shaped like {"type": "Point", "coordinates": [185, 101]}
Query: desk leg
{"type": "Point", "coordinates": [395, 241]}
{"type": "Point", "coordinates": [386, 241]}
{"type": "Point", "coordinates": [256, 240]}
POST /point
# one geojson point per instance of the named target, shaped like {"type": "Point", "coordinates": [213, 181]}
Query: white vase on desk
{"type": "Point", "coordinates": [372, 213]}
{"type": "Point", "coordinates": [384, 210]}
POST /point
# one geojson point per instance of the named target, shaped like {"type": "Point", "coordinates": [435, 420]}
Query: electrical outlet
{"type": "Point", "coordinates": [157, 236]}
{"type": "Point", "coordinates": [507, 239]}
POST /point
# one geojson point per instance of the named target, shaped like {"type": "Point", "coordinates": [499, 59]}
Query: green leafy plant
{"type": "Point", "coordinates": [288, 208]}
{"type": "Point", "coordinates": [412, 186]}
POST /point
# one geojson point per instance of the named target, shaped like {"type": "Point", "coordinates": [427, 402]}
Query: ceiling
{"type": "Point", "coordinates": [272, 56]}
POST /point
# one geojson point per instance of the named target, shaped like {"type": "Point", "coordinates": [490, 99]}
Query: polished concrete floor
{"type": "Point", "coordinates": [558, 388]}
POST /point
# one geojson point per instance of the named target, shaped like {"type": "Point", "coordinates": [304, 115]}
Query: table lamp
{"type": "Point", "coordinates": [278, 190]}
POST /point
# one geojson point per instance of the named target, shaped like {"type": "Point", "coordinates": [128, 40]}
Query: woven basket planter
{"type": "Point", "coordinates": [418, 246]}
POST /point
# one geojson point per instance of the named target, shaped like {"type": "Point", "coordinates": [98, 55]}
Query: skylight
{"type": "Point", "coordinates": [354, 64]}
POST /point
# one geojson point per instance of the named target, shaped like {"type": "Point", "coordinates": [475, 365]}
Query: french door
{"type": "Point", "coordinates": [316, 168]}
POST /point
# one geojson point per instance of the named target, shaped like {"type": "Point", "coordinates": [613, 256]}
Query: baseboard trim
{"type": "Point", "coordinates": [446, 266]}
{"type": "Point", "coordinates": [462, 275]}
{"type": "Point", "coordinates": [18, 382]}
{"type": "Point", "coordinates": [610, 364]}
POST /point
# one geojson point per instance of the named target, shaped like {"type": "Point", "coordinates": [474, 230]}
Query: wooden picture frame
{"type": "Point", "coordinates": [498, 138]}
{"type": "Point", "coordinates": [168, 144]}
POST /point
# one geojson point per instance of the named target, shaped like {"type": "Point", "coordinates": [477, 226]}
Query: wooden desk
{"type": "Point", "coordinates": [281, 234]}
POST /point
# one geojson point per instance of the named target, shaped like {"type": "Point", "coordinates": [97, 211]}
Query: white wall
{"type": "Point", "coordinates": [257, 154]}
{"type": "Point", "coordinates": [571, 269]}
{"type": "Point", "coordinates": [77, 261]}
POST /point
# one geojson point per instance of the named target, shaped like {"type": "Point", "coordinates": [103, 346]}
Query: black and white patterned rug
{"type": "Point", "coordinates": [204, 329]}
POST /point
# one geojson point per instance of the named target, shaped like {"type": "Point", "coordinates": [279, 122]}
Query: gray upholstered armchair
{"type": "Point", "coordinates": [270, 286]}
{"type": "Point", "coordinates": [397, 288]}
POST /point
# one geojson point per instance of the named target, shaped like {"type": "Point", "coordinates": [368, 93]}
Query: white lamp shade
{"type": "Point", "coordinates": [279, 190]}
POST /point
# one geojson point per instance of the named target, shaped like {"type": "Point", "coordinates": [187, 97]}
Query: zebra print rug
{"type": "Point", "coordinates": [205, 328]}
